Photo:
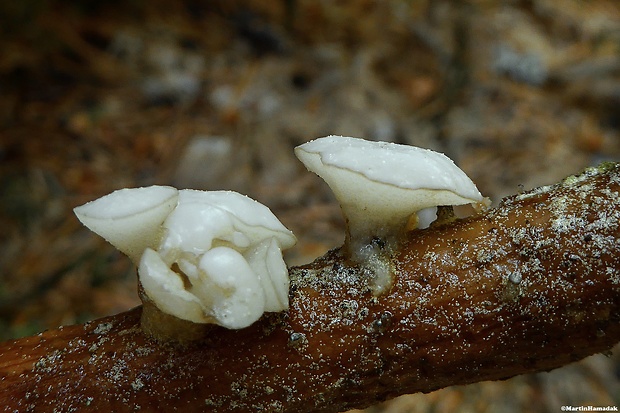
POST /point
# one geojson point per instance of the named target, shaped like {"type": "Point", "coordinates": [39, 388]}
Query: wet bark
{"type": "Point", "coordinates": [530, 285]}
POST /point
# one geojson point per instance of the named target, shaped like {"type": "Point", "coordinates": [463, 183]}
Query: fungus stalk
{"type": "Point", "coordinates": [528, 286]}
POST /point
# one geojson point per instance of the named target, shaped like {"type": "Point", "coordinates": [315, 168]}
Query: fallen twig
{"type": "Point", "coordinates": [528, 286]}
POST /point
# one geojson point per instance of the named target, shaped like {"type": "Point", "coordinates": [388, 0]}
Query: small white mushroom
{"type": "Point", "coordinates": [380, 185]}
{"type": "Point", "coordinates": [205, 257]}
{"type": "Point", "coordinates": [385, 189]}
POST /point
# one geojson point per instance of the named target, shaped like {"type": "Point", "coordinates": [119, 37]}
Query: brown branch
{"type": "Point", "coordinates": [528, 286]}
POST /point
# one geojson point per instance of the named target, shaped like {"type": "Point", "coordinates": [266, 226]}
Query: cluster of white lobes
{"type": "Point", "coordinates": [216, 256]}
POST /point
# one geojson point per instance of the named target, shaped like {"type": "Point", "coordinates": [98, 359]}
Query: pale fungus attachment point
{"type": "Point", "coordinates": [203, 257]}
{"type": "Point", "coordinates": [385, 189]}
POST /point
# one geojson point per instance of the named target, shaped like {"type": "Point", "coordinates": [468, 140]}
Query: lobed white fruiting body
{"type": "Point", "coordinates": [206, 257]}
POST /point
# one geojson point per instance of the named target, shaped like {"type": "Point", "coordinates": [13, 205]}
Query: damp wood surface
{"type": "Point", "coordinates": [530, 285]}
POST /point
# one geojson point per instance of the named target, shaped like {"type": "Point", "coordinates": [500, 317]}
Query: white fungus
{"type": "Point", "coordinates": [380, 185]}
{"type": "Point", "coordinates": [206, 257]}
{"type": "Point", "coordinates": [385, 189]}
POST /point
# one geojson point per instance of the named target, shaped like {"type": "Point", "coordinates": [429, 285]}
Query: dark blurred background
{"type": "Point", "coordinates": [99, 95]}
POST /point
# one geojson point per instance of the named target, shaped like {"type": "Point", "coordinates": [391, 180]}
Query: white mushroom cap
{"type": "Point", "coordinates": [204, 217]}
{"type": "Point", "coordinates": [130, 218]}
{"type": "Point", "coordinates": [379, 185]}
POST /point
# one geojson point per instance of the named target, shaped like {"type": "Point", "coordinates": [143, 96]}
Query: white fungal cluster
{"type": "Point", "coordinates": [206, 257]}
{"type": "Point", "coordinates": [216, 257]}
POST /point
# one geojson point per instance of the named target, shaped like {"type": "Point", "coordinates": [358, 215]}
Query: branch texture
{"type": "Point", "coordinates": [528, 286]}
